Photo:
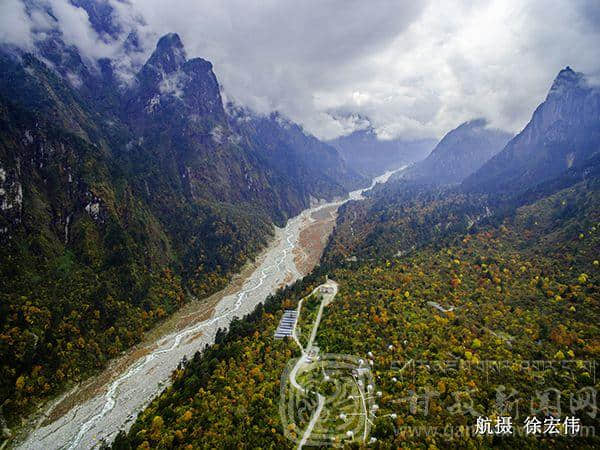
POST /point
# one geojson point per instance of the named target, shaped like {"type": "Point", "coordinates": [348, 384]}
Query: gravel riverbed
{"type": "Point", "coordinates": [99, 418]}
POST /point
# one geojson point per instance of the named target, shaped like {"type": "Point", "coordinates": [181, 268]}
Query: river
{"type": "Point", "coordinates": [130, 387]}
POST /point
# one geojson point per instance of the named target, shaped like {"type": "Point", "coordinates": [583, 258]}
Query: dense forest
{"type": "Point", "coordinates": [462, 293]}
{"type": "Point", "coordinates": [519, 287]}
{"type": "Point", "coordinates": [86, 267]}
{"type": "Point", "coordinates": [120, 202]}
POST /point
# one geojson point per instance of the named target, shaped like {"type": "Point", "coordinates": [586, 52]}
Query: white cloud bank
{"type": "Point", "coordinates": [415, 68]}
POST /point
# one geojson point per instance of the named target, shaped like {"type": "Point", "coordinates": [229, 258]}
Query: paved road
{"type": "Point", "coordinates": [313, 421]}
{"type": "Point", "coordinates": [327, 298]}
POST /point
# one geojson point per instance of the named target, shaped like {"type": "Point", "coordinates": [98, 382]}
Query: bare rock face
{"type": "Point", "coordinates": [175, 105]}
{"type": "Point", "coordinates": [563, 132]}
{"type": "Point", "coordinates": [11, 195]}
{"type": "Point", "coordinates": [170, 84]}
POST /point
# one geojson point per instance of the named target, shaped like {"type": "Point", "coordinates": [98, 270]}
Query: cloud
{"type": "Point", "coordinates": [416, 69]}
{"type": "Point", "coordinates": [15, 25]}
{"type": "Point", "coordinates": [76, 30]}
{"type": "Point", "coordinates": [282, 55]}
{"type": "Point", "coordinates": [463, 60]}
{"type": "Point", "coordinates": [23, 24]}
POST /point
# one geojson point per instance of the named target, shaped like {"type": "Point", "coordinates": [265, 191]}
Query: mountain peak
{"type": "Point", "coordinates": [567, 78]}
{"type": "Point", "coordinates": [169, 54]}
{"type": "Point", "coordinates": [479, 122]}
{"type": "Point", "coordinates": [562, 132]}
{"type": "Point", "coordinates": [169, 41]}
{"type": "Point", "coordinates": [461, 152]}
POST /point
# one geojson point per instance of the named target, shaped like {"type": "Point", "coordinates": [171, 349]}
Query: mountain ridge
{"type": "Point", "coordinates": [459, 153]}
{"type": "Point", "coordinates": [564, 130]}
{"type": "Point", "coordinates": [113, 205]}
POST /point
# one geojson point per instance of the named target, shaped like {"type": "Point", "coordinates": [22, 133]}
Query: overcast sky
{"type": "Point", "coordinates": [416, 68]}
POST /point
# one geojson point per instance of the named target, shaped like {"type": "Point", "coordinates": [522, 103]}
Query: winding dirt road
{"type": "Point", "coordinates": [327, 298]}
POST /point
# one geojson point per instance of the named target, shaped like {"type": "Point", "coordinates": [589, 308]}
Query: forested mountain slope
{"type": "Point", "coordinates": [303, 163]}
{"type": "Point", "coordinates": [525, 287]}
{"type": "Point", "coordinates": [116, 198]}
{"type": "Point", "coordinates": [460, 153]}
{"type": "Point", "coordinates": [564, 131]}
{"type": "Point", "coordinates": [451, 279]}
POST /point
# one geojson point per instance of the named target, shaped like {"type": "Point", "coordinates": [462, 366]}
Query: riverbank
{"type": "Point", "coordinates": [95, 412]}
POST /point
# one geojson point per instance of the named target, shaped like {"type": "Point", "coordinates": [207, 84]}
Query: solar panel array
{"type": "Point", "coordinates": [286, 324]}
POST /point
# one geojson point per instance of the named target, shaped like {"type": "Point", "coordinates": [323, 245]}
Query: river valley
{"type": "Point", "coordinates": [94, 412]}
